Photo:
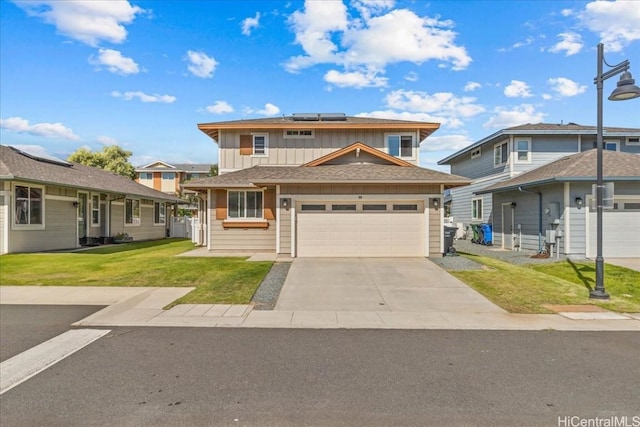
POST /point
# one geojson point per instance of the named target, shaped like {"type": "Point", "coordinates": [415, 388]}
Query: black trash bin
{"type": "Point", "coordinates": [449, 235]}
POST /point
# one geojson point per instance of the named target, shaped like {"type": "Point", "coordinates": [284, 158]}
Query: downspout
{"type": "Point", "coordinates": [539, 215]}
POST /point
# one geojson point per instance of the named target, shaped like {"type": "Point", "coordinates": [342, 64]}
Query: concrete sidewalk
{"type": "Point", "coordinates": [144, 307]}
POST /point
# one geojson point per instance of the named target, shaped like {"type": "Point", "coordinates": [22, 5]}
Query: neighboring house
{"type": "Point", "coordinates": [323, 185]}
{"type": "Point", "coordinates": [49, 204]}
{"type": "Point", "coordinates": [167, 177]}
{"type": "Point", "coordinates": [554, 202]}
{"type": "Point", "coordinates": [514, 151]}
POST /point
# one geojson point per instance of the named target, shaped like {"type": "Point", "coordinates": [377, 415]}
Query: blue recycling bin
{"type": "Point", "coordinates": [487, 234]}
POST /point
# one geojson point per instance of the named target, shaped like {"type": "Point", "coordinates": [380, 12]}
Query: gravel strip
{"type": "Point", "coordinates": [269, 290]}
{"type": "Point", "coordinates": [459, 263]}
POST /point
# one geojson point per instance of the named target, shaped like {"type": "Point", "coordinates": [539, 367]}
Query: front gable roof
{"type": "Point", "coordinates": [576, 167]}
{"type": "Point", "coordinates": [357, 148]}
{"type": "Point", "coordinates": [16, 165]}
{"type": "Point", "coordinates": [162, 166]}
{"type": "Point", "coordinates": [541, 129]}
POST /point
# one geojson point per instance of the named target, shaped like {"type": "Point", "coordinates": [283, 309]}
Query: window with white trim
{"type": "Point", "coordinates": [244, 204]}
{"type": "Point", "coordinates": [476, 153]}
{"type": "Point", "coordinates": [633, 140]}
{"type": "Point", "coordinates": [132, 212]}
{"type": "Point", "coordinates": [146, 176]}
{"type": "Point", "coordinates": [260, 144]}
{"type": "Point", "coordinates": [168, 176]}
{"type": "Point", "coordinates": [523, 150]}
{"type": "Point", "coordinates": [95, 210]}
{"type": "Point", "coordinates": [298, 133]}
{"type": "Point", "coordinates": [29, 205]}
{"type": "Point", "coordinates": [400, 145]}
{"type": "Point", "coordinates": [608, 145]}
{"type": "Point", "coordinates": [500, 154]}
{"type": "Point", "coordinates": [159, 210]}
{"type": "Point", "coordinates": [476, 209]}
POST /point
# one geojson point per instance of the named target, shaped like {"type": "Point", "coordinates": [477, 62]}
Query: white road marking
{"type": "Point", "coordinates": [25, 365]}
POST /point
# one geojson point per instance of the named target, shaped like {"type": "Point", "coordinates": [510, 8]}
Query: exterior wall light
{"type": "Point", "coordinates": [75, 204]}
{"type": "Point", "coordinates": [513, 205]}
{"type": "Point", "coordinates": [435, 203]}
{"type": "Point", "coordinates": [579, 202]}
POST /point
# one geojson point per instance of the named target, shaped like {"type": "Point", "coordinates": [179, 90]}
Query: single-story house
{"type": "Point", "coordinates": [51, 204]}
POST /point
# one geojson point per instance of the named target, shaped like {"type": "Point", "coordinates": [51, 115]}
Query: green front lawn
{"type": "Point", "coordinates": [217, 280]}
{"type": "Point", "coordinates": [527, 289]}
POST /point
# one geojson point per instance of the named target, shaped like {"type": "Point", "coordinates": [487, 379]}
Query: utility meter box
{"type": "Point", "coordinates": [550, 236]}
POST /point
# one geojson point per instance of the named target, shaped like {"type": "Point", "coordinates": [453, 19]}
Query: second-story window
{"type": "Point", "coordinates": [400, 145]}
{"type": "Point", "coordinates": [500, 154]}
{"type": "Point", "coordinates": [168, 176]}
{"type": "Point", "coordinates": [255, 144]}
{"type": "Point", "coordinates": [523, 148]}
{"type": "Point", "coordinates": [146, 176]}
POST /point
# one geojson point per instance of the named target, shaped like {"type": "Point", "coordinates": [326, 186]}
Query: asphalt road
{"type": "Point", "coordinates": [25, 326]}
{"type": "Point", "coordinates": [264, 377]}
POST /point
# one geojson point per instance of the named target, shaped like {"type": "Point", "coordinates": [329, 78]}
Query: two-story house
{"type": "Point", "coordinates": [535, 178]}
{"type": "Point", "coordinates": [323, 185]}
{"type": "Point", "coordinates": [166, 177]}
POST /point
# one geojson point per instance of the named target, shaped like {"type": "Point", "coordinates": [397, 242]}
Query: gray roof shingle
{"type": "Point", "coordinates": [15, 164]}
{"type": "Point", "coordinates": [576, 167]}
{"type": "Point", "coordinates": [345, 173]}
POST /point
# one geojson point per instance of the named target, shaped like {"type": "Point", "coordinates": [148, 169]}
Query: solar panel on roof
{"type": "Point", "coordinates": [305, 117]}
{"type": "Point", "coordinates": [333, 117]}
{"type": "Point", "coordinates": [41, 156]}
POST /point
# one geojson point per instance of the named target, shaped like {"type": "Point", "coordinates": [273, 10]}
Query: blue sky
{"type": "Point", "coordinates": [143, 74]}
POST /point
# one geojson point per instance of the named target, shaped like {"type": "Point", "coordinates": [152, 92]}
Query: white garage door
{"type": "Point", "coordinates": [620, 231]}
{"type": "Point", "coordinates": [356, 234]}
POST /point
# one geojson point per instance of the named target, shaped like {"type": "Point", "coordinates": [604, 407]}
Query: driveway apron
{"type": "Point", "coordinates": [377, 284]}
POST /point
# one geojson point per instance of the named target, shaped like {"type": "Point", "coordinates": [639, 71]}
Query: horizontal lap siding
{"type": "Point", "coordinates": [117, 219]}
{"type": "Point", "coordinates": [238, 239]}
{"type": "Point", "coordinates": [59, 233]}
{"type": "Point", "coordinates": [146, 230]}
{"type": "Point", "coordinates": [4, 217]}
{"type": "Point", "coordinates": [285, 231]}
{"type": "Point", "coordinates": [435, 226]}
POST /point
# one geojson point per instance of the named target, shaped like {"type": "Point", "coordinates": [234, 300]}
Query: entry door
{"type": "Point", "coordinates": [507, 226]}
{"type": "Point", "coordinates": [82, 216]}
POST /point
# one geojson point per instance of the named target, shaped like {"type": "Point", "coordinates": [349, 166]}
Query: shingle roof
{"type": "Point", "coordinates": [16, 165]}
{"type": "Point", "coordinates": [577, 167]}
{"type": "Point", "coordinates": [345, 173]}
{"type": "Point", "coordinates": [350, 122]}
{"type": "Point", "coordinates": [179, 167]}
{"type": "Point", "coordinates": [543, 129]}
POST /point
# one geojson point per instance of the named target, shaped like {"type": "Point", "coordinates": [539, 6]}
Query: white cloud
{"type": "Point", "coordinates": [219, 107]}
{"type": "Point", "coordinates": [89, 22]}
{"type": "Point", "coordinates": [375, 39]}
{"type": "Point", "coordinates": [355, 79]}
{"type": "Point", "coordinates": [570, 43]}
{"type": "Point", "coordinates": [128, 96]}
{"type": "Point", "coordinates": [615, 22]}
{"type": "Point", "coordinates": [201, 65]}
{"type": "Point", "coordinates": [565, 87]}
{"type": "Point", "coordinates": [249, 24]}
{"type": "Point", "coordinates": [107, 140]}
{"type": "Point", "coordinates": [47, 130]}
{"type": "Point", "coordinates": [443, 107]}
{"type": "Point", "coordinates": [115, 62]}
{"type": "Point", "coordinates": [269, 110]}
{"type": "Point", "coordinates": [517, 89]}
{"type": "Point", "coordinates": [446, 142]}
{"type": "Point", "coordinates": [519, 115]}
{"type": "Point", "coordinates": [471, 86]}
{"type": "Point", "coordinates": [411, 76]}
{"type": "Point", "coordinates": [566, 12]}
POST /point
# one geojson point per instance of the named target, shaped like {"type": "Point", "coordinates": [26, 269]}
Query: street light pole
{"type": "Point", "coordinates": [626, 90]}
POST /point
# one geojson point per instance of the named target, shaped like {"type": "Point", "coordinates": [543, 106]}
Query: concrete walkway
{"type": "Point", "coordinates": [144, 307]}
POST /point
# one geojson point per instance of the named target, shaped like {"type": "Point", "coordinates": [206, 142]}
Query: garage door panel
{"type": "Point", "coordinates": [620, 234]}
{"type": "Point", "coordinates": [360, 234]}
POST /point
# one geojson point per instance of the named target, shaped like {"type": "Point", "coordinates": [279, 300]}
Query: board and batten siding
{"type": "Point", "coordinates": [292, 151]}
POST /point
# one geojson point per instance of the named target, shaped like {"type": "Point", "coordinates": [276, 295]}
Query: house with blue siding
{"type": "Point", "coordinates": [498, 159]}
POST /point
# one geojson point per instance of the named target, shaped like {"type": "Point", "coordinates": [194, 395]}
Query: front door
{"type": "Point", "coordinates": [507, 226]}
{"type": "Point", "coordinates": [82, 218]}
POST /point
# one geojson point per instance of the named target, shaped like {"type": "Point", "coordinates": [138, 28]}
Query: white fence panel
{"type": "Point", "coordinates": [180, 226]}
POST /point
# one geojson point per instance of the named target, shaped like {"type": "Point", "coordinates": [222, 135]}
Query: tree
{"type": "Point", "coordinates": [112, 158]}
{"type": "Point", "coordinates": [214, 170]}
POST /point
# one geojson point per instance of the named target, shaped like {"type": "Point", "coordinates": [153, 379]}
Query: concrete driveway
{"type": "Point", "coordinates": [377, 284]}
